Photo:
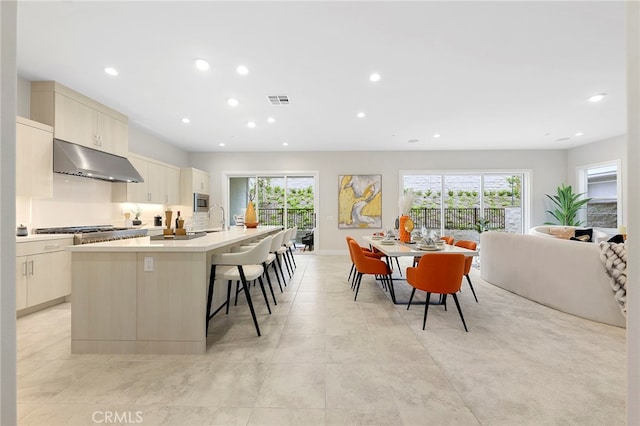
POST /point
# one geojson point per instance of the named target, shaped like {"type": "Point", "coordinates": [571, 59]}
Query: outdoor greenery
{"type": "Point", "coordinates": [508, 197]}
{"type": "Point", "coordinates": [272, 196]}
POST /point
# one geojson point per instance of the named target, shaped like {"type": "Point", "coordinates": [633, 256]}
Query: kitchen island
{"type": "Point", "coordinates": [147, 296]}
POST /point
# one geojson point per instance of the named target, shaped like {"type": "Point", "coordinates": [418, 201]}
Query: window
{"type": "Point", "coordinates": [458, 204]}
{"type": "Point", "coordinates": [601, 183]}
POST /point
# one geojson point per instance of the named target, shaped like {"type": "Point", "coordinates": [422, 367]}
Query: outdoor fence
{"type": "Point", "coordinates": [458, 218]}
{"type": "Point", "coordinates": [304, 219]}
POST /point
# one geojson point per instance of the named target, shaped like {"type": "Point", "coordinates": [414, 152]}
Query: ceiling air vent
{"type": "Point", "coordinates": [278, 99]}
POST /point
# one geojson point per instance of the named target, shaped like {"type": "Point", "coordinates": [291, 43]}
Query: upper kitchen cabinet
{"type": "Point", "coordinates": [161, 183]}
{"type": "Point", "coordinates": [79, 119]}
{"type": "Point", "coordinates": [34, 159]}
{"type": "Point", "coordinates": [192, 181]}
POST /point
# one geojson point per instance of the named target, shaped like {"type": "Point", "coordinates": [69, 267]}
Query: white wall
{"type": "Point", "coordinates": [143, 143]}
{"type": "Point", "coordinates": [8, 406]}
{"type": "Point", "coordinates": [548, 170]}
{"type": "Point", "coordinates": [633, 246]}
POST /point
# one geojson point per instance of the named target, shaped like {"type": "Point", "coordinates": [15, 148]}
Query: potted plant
{"type": "Point", "coordinates": [481, 225]}
{"type": "Point", "coordinates": [567, 204]}
{"type": "Point", "coordinates": [137, 212]}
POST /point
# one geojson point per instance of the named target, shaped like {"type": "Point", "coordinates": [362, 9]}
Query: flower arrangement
{"type": "Point", "coordinates": [406, 202]}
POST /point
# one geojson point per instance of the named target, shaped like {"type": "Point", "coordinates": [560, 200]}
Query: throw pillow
{"type": "Point", "coordinates": [584, 234]}
{"type": "Point", "coordinates": [583, 238]}
{"type": "Point", "coordinates": [617, 239]}
{"type": "Point", "coordinates": [564, 233]}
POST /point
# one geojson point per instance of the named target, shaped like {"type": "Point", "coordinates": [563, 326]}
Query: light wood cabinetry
{"type": "Point", "coordinates": [34, 159]}
{"type": "Point", "coordinates": [79, 119]}
{"type": "Point", "coordinates": [192, 181]}
{"type": "Point", "coordinates": [161, 183]}
{"type": "Point", "coordinates": [43, 271]}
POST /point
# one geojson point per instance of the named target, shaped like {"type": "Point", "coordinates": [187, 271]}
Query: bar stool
{"type": "Point", "coordinates": [289, 242]}
{"type": "Point", "coordinates": [272, 258]}
{"type": "Point", "coordinates": [243, 266]}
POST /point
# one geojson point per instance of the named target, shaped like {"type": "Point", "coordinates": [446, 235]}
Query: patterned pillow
{"type": "Point", "coordinates": [583, 234]}
{"type": "Point", "coordinates": [564, 233]}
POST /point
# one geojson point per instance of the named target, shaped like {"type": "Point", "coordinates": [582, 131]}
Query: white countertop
{"type": "Point", "coordinates": [42, 237]}
{"type": "Point", "coordinates": [208, 242]}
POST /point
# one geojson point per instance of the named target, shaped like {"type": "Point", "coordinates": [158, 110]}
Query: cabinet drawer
{"type": "Point", "coordinates": [47, 246]}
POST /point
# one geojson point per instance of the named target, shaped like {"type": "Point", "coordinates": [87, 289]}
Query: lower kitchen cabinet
{"type": "Point", "coordinates": [43, 271]}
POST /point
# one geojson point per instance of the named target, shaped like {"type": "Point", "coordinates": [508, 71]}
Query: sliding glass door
{"type": "Point", "coordinates": [280, 200]}
{"type": "Point", "coordinates": [465, 204]}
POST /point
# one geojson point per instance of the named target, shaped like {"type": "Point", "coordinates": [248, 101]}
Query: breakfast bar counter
{"type": "Point", "coordinates": [141, 295]}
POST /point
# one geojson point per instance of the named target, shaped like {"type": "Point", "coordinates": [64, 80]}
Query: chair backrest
{"type": "Point", "coordinates": [471, 245]}
{"type": "Point", "coordinates": [277, 240]}
{"type": "Point", "coordinates": [349, 239]}
{"type": "Point", "coordinates": [256, 255]}
{"type": "Point", "coordinates": [287, 236]}
{"type": "Point", "coordinates": [439, 273]}
{"type": "Point", "coordinates": [447, 239]}
{"type": "Point", "coordinates": [364, 264]}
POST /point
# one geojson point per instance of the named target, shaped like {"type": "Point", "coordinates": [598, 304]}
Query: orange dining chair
{"type": "Point", "coordinates": [368, 265]}
{"type": "Point", "coordinates": [468, 260]}
{"type": "Point", "coordinates": [366, 251]}
{"type": "Point", "coordinates": [447, 239]}
{"type": "Point", "coordinates": [437, 273]}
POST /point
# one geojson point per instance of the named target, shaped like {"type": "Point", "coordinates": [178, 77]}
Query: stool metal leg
{"type": "Point", "coordinates": [248, 296]}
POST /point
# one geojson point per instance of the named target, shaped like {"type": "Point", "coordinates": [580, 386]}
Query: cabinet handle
{"type": "Point", "coordinates": [31, 267]}
{"type": "Point", "coordinates": [24, 268]}
{"type": "Point", "coordinates": [52, 246]}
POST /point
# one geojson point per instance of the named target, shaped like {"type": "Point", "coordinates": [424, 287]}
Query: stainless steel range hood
{"type": "Point", "coordinates": [78, 160]}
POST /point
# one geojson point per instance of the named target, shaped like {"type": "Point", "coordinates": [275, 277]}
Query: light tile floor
{"type": "Point", "coordinates": [324, 359]}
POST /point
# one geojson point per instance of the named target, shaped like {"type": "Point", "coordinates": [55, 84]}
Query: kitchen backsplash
{"type": "Point", "coordinates": [79, 201]}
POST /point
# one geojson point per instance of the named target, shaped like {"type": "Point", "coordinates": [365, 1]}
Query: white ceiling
{"type": "Point", "coordinates": [484, 75]}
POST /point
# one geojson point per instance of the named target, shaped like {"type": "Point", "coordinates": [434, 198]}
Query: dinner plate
{"type": "Point", "coordinates": [387, 243]}
{"type": "Point", "coordinates": [428, 248]}
{"type": "Point", "coordinates": [376, 238]}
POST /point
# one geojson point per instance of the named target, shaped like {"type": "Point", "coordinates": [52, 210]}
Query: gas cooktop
{"type": "Point", "coordinates": [94, 234]}
{"type": "Point", "coordinates": [77, 229]}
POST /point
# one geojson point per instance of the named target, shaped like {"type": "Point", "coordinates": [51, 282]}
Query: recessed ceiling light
{"type": "Point", "coordinates": [251, 124]}
{"type": "Point", "coordinates": [361, 115]}
{"type": "Point", "coordinates": [271, 120]}
{"type": "Point", "coordinates": [232, 102]}
{"type": "Point", "coordinates": [111, 71]}
{"type": "Point", "coordinates": [242, 70]}
{"type": "Point", "coordinates": [202, 65]}
{"type": "Point", "coordinates": [436, 135]}
{"type": "Point", "coordinates": [562, 139]}
{"type": "Point", "coordinates": [285, 144]}
{"type": "Point", "coordinates": [413, 140]}
{"type": "Point", "coordinates": [597, 98]}
{"type": "Point", "coordinates": [374, 77]}
{"type": "Point", "coordinates": [221, 144]}
{"type": "Point", "coordinates": [186, 120]}
{"type": "Point", "coordinates": [579, 134]}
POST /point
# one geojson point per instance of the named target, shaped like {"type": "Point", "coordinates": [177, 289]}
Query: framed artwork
{"type": "Point", "coordinates": [360, 201]}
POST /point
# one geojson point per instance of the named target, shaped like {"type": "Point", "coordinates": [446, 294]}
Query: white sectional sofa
{"type": "Point", "coordinates": [562, 274]}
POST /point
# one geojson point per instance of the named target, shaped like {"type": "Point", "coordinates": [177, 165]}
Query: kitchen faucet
{"type": "Point", "coordinates": [222, 221]}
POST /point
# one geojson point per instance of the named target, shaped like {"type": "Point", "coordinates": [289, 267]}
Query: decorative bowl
{"type": "Point", "coordinates": [251, 224]}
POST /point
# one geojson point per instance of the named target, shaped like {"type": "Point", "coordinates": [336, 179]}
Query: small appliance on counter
{"type": "Point", "coordinates": [21, 231]}
{"type": "Point", "coordinates": [157, 220]}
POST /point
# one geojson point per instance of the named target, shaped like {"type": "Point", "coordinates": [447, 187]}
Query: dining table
{"type": "Point", "coordinates": [394, 248]}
